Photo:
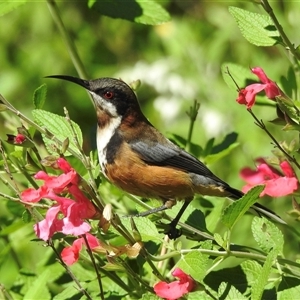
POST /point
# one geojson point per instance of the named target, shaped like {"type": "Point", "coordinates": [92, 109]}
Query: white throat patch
{"type": "Point", "coordinates": [105, 105]}
{"type": "Point", "coordinates": [103, 137]}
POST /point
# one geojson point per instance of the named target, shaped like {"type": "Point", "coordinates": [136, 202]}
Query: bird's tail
{"type": "Point", "coordinates": [260, 209]}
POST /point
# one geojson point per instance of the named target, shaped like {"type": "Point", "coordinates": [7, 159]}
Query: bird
{"type": "Point", "coordinates": [140, 160]}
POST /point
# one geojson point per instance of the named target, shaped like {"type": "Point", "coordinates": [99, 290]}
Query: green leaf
{"type": "Point", "coordinates": [219, 240]}
{"type": "Point", "coordinates": [195, 263]}
{"type": "Point", "coordinates": [26, 217]}
{"type": "Point", "coordinates": [150, 296]}
{"type": "Point", "coordinates": [262, 277]}
{"type": "Point", "coordinates": [203, 295]}
{"type": "Point", "coordinates": [289, 83]}
{"type": "Point", "coordinates": [267, 235]}
{"type": "Point", "coordinates": [38, 289]}
{"type": "Point", "coordinates": [59, 127]}
{"type": "Point", "coordinates": [288, 294]}
{"type": "Point", "coordinates": [251, 268]}
{"type": "Point", "coordinates": [233, 212]}
{"type": "Point", "coordinates": [68, 293]}
{"type": "Point", "coordinates": [256, 28]}
{"type": "Point", "coordinates": [139, 11]}
{"type": "Point", "coordinates": [39, 96]}
{"type": "Point", "coordinates": [287, 106]}
{"type": "Point", "coordinates": [232, 294]}
{"type": "Point", "coordinates": [146, 228]}
{"type": "Point", "coordinates": [223, 149]}
{"type": "Point", "coordinates": [212, 158]}
{"type": "Point", "coordinates": [7, 6]}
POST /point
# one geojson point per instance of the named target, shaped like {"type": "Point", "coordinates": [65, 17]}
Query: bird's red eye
{"type": "Point", "coordinates": [108, 95]}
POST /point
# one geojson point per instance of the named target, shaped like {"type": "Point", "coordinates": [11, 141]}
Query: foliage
{"type": "Point", "coordinates": [176, 60]}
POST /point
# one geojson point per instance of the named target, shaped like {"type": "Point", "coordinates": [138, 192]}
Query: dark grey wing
{"type": "Point", "coordinates": [170, 155]}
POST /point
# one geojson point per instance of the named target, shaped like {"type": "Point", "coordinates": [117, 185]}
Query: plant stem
{"type": "Point", "coordinates": [267, 7]}
{"type": "Point", "coordinates": [229, 253]}
{"type": "Point", "coordinates": [89, 250]}
{"type": "Point", "coordinates": [67, 39]}
{"type": "Point", "coordinates": [261, 125]}
{"type": "Point", "coordinates": [192, 115]}
{"type": "Point", "coordinates": [74, 278]}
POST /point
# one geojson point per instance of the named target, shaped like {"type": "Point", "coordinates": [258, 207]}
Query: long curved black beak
{"type": "Point", "coordinates": [82, 82]}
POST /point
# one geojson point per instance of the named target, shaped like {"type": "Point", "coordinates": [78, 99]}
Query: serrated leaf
{"type": "Point", "coordinates": [38, 289]}
{"type": "Point", "coordinates": [233, 212]}
{"type": "Point", "coordinates": [139, 11]}
{"type": "Point", "coordinates": [39, 96]}
{"type": "Point", "coordinates": [267, 235]}
{"type": "Point", "coordinates": [256, 28]}
{"type": "Point", "coordinates": [146, 228]}
{"type": "Point", "coordinates": [59, 127]}
{"type": "Point", "coordinates": [232, 294]}
{"type": "Point", "coordinates": [251, 268]}
{"type": "Point", "coordinates": [7, 6]}
{"type": "Point", "coordinates": [195, 263]}
{"type": "Point", "coordinates": [262, 277]}
{"type": "Point", "coordinates": [219, 240]}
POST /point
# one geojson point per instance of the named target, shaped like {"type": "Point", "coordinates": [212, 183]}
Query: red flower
{"type": "Point", "coordinates": [175, 289]}
{"type": "Point", "coordinates": [277, 184]}
{"type": "Point", "coordinates": [70, 254]}
{"type": "Point", "coordinates": [247, 95]}
{"type": "Point", "coordinates": [66, 215]}
{"type": "Point", "coordinates": [20, 138]}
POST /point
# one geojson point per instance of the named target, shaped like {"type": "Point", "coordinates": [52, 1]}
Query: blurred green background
{"type": "Point", "coordinates": [177, 62]}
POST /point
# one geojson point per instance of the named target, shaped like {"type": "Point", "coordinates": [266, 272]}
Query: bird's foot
{"type": "Point", "coordinates": [173, 233]}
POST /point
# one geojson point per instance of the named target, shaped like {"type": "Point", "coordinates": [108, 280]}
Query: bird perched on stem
{"type": "Point", "coordinates": [137, 158]}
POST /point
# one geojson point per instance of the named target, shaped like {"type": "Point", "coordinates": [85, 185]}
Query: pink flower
{"type": "Point", "coordinates": [19, 140]}
{"type": "Point", "coordinates": [175, 289]}
{"type": "Point", "coordinates": [247, 95]}
{"type": "Point", "coordinates": [66, 215]}
{"type": "Point", "coordinates": [70, 254]}
{"type": "Point", "coordinates": [277, 184]}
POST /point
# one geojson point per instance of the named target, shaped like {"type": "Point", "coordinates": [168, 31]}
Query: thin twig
{"type": "Point", "coordinates": [67, 39]}
{"type": "Point", "coordinates": [89, 251]}
{"type": "Point", "coordinates": [267, 7]}
{"type": "Point", "coordinates": [261, 125]}
{"type": "Point", "coordinates": [74, 278]}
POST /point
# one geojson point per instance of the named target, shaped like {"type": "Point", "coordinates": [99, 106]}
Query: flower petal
{"type": "Point", "coordinates": [47, 227]}
{"type": "Point", "coordinates": [70, 254]}
{"type": "Point", "coordinates": [280, 187]}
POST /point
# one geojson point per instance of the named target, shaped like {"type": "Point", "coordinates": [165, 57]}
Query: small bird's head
{"type": "Point", "coordinates": [113, 98]}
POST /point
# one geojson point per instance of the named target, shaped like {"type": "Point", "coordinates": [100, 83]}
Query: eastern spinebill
{"type": "Point", "coordinates": [138, 159]}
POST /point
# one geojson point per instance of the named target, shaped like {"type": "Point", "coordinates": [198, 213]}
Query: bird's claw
{"type": "Point", "coordinates": [173, 233]}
